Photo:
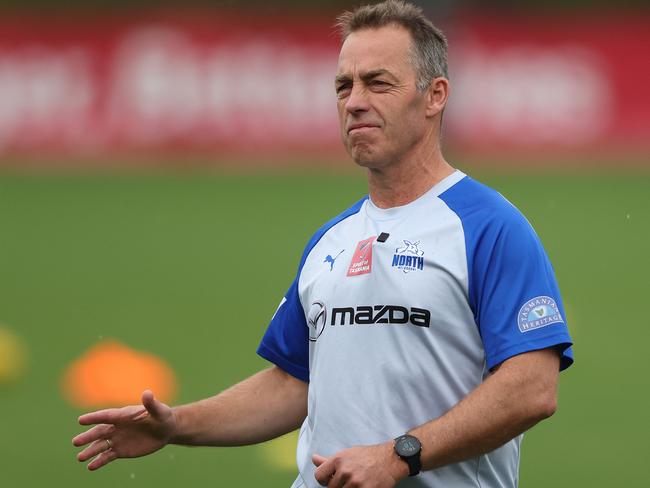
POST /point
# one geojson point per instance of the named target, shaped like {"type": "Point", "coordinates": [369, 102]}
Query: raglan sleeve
{"type": "Point", "coordinates": [286, 341]}
{"type": "Point", "coordinates": [514, 292]}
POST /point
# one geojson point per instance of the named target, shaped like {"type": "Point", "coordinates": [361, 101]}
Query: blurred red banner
{"type": "Point", "coordinates": [209, 84]}
{"type": "Point", "coordinates": [553, 83]}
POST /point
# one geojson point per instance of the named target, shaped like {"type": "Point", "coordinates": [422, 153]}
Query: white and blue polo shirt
{"type": "Point", "coordinates": [397, 314]}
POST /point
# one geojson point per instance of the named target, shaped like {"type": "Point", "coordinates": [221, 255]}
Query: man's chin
{"type": "Point", "coordinates": [364, 156]}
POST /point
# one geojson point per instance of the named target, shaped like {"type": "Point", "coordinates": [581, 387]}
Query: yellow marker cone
{"type": "Point", "coordinates": [280, 453]}
{"type": "Point", "coordinates": [13, 357]}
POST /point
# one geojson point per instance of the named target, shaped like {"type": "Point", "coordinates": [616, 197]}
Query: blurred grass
{"type": "Point", "coordinates": [191, 265]}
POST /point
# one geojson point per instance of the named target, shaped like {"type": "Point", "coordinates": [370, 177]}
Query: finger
{"type": "Point", "coordinates": [336, 481]}
{"type": "Point", "coordinates": [324, 472]}
{"type": "Point", "coordinates": [103, 459]}
{"type": "Point", "coordinates": [110, 415]}
{"type": "Point", "coordinates": [155, 408]}
{"type": "Point", "coordinates": [97, 432]}
{"type": "Point", "coordinates": [97, 447]}
{"type": "Point", "coordinates": [317, 459]}
{"type": "Point", "coordinates": [98, 417]}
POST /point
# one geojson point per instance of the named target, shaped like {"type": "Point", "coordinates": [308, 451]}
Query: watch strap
{"type": "Point", "coordinates": [415, 465]}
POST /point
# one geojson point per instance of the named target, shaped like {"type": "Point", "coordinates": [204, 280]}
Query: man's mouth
{"type": "Point", "coordinates": [361, 128]}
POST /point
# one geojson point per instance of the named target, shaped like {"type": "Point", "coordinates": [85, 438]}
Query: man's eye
{"type": "Point", "coordinates": [342, 91]}
{"type": "Point", "coordinates": [379, 84]}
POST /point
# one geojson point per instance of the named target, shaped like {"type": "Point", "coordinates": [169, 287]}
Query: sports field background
{"type": "Point", "coordinates": [190, 266]}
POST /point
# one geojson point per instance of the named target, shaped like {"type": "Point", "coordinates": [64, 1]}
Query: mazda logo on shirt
{"type": "Point", "coordinates": [316, 319]}
{"type": "Point", "coordinates": [364, 315]}
{"type": "Point", "coordinates": [381, 314]}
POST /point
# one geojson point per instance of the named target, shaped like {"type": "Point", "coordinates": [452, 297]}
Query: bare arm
{"type": "Point", "coordinates": [266, 405]}
{"type": "Point", "coordinates": [520, 393]}
{"type": "Point", "coordinates": [262, 407]}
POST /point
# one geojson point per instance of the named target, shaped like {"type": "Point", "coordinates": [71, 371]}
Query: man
{"type": "Point", "coordinates": [428, 308]}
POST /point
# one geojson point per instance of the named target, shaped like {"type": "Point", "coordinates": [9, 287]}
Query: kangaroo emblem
{"type": "Point", "coordinates": [410, 247]}
{"type": "Point", "coordinates": [331, 260]}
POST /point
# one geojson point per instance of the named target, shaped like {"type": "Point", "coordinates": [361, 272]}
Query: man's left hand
{"type": "Point", "coordinates": [375, 466]}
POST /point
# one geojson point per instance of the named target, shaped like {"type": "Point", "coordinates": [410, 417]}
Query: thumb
{"type": "Point", "coordinates": [155, 408]}
{"type": "Point", "coordinates": [317, 459]}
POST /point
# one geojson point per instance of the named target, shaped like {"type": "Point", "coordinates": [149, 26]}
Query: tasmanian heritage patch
{"type": "Point", "coordinates": [538, 312]}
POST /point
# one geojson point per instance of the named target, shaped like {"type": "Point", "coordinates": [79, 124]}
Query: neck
{"type": "Point", "coordinates": [404, 181]}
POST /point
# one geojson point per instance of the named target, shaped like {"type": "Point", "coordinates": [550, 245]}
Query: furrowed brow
{"type": "Point", "coordinates": [342, 79]}
{"type": "Point", "coordinates": [369, 75]}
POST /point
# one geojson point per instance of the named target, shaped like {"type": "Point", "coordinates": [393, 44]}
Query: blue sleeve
{"type": "Point", "coordinates": [286, 341]}
{"type": "Point", "coordinates": [512, 287]}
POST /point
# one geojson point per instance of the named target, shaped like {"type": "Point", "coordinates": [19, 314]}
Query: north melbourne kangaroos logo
{"type": "Point", "coordinates": [409, 258]}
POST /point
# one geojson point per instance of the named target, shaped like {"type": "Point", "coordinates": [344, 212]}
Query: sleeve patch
{"type": "Point", "coordinates": [537, 313]}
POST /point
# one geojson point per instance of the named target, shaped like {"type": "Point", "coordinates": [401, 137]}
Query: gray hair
{"type": "Point", "coordinates": [429, 45]}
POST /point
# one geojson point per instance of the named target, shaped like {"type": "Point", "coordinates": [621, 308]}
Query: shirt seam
{"type": "Point", "coordinates": [308, 253]}
{"type": "Point", "coordinates": [315, 243]}
{"type": "Point", "coordinates": [478, 476]}
{"type": "Point", "coordinates": [293, 369]}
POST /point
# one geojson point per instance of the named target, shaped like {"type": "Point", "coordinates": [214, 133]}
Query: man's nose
{"type": "Point", "coordinates": [357, 101]}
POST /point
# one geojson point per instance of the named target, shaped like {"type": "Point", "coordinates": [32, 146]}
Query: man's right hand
{"type": "Point", "coordinates": [128, 432]}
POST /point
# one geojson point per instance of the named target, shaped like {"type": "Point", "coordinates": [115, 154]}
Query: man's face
{"type": "Point", "coordinates": [381, 113]}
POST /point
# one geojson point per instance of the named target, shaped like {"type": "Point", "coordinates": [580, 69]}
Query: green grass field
{"type": "Point", "coordinates": [190, 266]}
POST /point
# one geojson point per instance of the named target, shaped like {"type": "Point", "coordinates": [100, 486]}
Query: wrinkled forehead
{"type": "Point", "coordinates": [387, 48]}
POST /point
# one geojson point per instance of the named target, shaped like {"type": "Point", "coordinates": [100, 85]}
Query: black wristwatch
{"type": "Point", "coordinates": [409, 448]}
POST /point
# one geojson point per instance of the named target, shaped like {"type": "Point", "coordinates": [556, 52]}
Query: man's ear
{"type": "Point", "coordinates": [437, 95]}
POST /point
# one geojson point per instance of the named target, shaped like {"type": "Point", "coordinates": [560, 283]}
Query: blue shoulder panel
{"type": "Point", "coordinates": [286, 341]}
{"type": "Point", "coordinates": [513, 292]}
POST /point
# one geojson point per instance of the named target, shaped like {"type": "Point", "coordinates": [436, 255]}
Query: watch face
{"type": "Point", "coordinates": [407, 446]}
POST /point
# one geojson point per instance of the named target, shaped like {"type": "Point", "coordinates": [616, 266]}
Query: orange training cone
{"type": "Point", "coordinates": [111, 374]}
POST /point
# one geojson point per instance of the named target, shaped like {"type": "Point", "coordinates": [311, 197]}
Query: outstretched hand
{"type": "Point", "coordinates": [128, 432]}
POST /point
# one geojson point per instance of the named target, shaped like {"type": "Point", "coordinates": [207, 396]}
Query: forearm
{"type": "Point", "coordinates": [264, 406]}
{"type": "Point", "coordinates": [516, 397]}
